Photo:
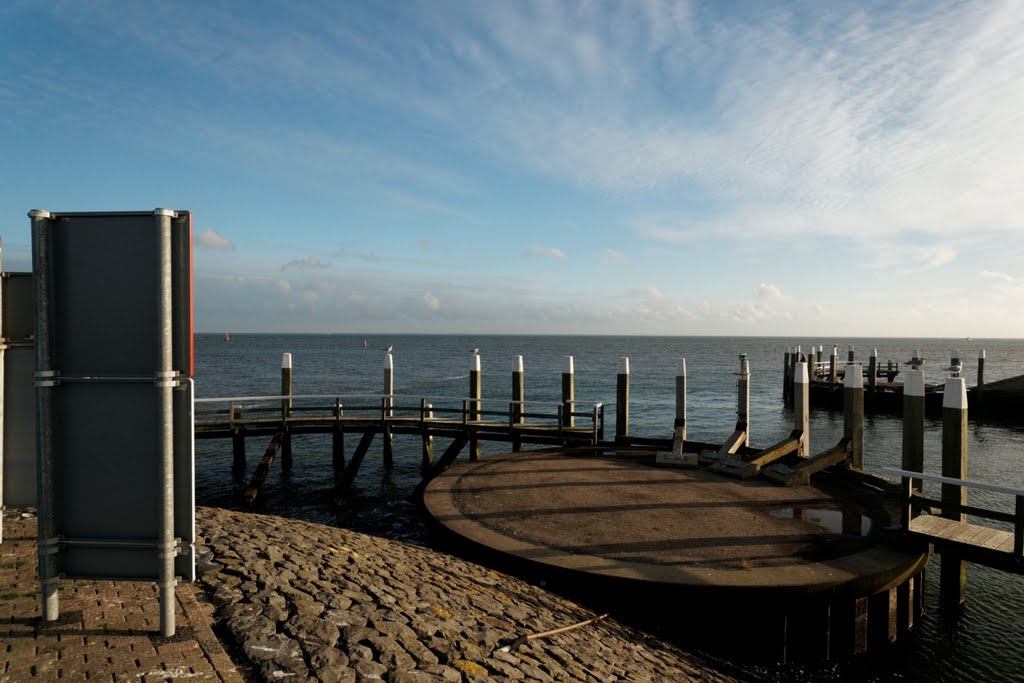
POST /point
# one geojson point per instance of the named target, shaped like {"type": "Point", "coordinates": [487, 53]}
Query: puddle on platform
{"type": "Point", "coordinates": [833, 521]}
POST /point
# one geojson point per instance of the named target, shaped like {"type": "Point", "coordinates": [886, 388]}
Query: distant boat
{"type": "Point", "coordinates": [227, 337]}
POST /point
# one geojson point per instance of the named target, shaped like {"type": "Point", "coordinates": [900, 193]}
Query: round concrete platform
{"type": "Point", "coordinates": [620, 518]}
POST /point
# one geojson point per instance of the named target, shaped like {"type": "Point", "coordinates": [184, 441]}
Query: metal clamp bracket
{"type": "Point", "coordinates": [47, 378]}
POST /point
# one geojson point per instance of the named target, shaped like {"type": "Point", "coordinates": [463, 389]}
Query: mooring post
{"type": "Point", "coordinates": [802, 408]}
{"type": "Point", "coordinates": [980, 388]}
{"type": "Point", "coordinates": [850, 355]}
{"type": "Point", "coordinates": [286, 410]}
{"type": "Point", "coordinates": [853, 414]}
{"type": "Point", "coordinates": [743, 399]}
{"type": "Point", "coordinates": [679, 437]}
{"type": "Point", "coordinates": [237, 436]}
{"type": "Point", "coordinates": [913, 425]}
{"type": "Point", "coordinates": [475, 393]}
{"type": "Point", "coordinates": [872, 369]}
{"type": "Point", "coordinates": [952, 569]}
{"type": "Point", "coordinates": [428, 440]}
{"type": "Point", "coordinates": [622, 400]}
{"type": "Point", "coordinates": [786, 376]}
{"type": "Point", "coordinates": [833, 365]}
{"type": "Point", "coordinates": [518, 396]}
{"type": "Point", "coordinates": [338, 437]}
{"type": "Point", "coordinates": [389, 402]}
{"type": "Point", "coordinates": [793, 360]}
{"type": "Point", "coordinates": [568, 392]}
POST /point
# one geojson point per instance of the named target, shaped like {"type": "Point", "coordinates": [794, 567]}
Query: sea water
{"type": "Point", "coordinates": [984, 643]}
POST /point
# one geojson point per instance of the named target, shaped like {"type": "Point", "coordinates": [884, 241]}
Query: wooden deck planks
{"type": "Point", "coordinates": [936, 528]}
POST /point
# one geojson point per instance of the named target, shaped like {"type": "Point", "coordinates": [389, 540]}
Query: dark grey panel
{"type": "Point", "coordinates": [19, 447]}
{"type": "Point", "coordinates": [17, 307]}
{"type": "Point", "coordinates": [105, 287]}
{"type": "Point", "coordinates": [108, 483]}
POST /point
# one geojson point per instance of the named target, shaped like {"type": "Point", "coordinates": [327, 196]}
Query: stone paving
{"type": "Point", "coordinates": [299, 602]}
{"type": "Point", "coordinates": [308, 602]}
{"type": "Point", "coordinates": [107, 631]}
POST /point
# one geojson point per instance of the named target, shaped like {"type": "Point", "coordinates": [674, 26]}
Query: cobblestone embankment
{"type": "Point", "coordinates": [307, 602]}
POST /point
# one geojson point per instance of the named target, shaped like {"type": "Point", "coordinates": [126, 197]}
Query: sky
{"type": "Point", "coordinates": [640, 167]}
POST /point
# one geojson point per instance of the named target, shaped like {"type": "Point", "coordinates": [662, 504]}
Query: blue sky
{"type": "Point", "coordinates": [636, 167]}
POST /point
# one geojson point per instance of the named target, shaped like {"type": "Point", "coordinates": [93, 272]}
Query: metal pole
{"type": "Point", "coordinates": [679, 437]}
{"type": "Point", "coordinates": [743, 399]}
{"type": "Point", "coordinates": [475, 392]}
{"type": "Point", "coordinates": [622, 400]}
{"type": "Point", "coordinates": [802, 408]}
{"type": "Point", "coordinates": [165, 383]}
{"type": "Point", "coordinates": [45, 383]}
{"type": "Point", "coordinates": [568, 392]}
{"type": "Point", "coordinates": [518, 396]}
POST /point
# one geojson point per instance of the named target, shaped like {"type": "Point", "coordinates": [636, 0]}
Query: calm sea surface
{"type": "Point", "coordinates": [985, 643]}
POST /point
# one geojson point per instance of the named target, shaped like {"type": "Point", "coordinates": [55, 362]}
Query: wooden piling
{"type": "Point", "coordinates": [872, 369]}
{"type": "Point", "coordinates": [475, 394]}
{"type": "Point", "coordinates": [262, 470]}
{"type": "Point", "coordinates": [913, 425]}
{"type": "Point", "coordinates": [787, 376]}
{"type": "Point", "coordinates": [428, 440]}
{"type": "Point", "coordinates": [622, 400]}
{"type": "Point", "coordinates": [853, 414]}
{"type": "Point", "coordinates": [568, 393]}
{"type": "Point", "coordinates": [518, 396]}
{"type": "Point", "coordinates": [680, 421]}
{"type": "Point", "coordinates": [338, 437]}
{"type": "Point", "coordinates": [802, 408]}
{"type": "Point", "coordinates": [237, 437]}
{"type": "Point", "coordinates": [743, 399]}
{"type": "Point", "coordinates": [286, 410]}
{"type": "Point", "coordinates": [833, 365]}
{"type": "Point", "coordinates": [850, 355]}
{"type": "Point", "coordinates": [388, 404]}
{"type": "Point", "coordinates": [819, 353]}
{"type": "Point", "coordinates": [979, 389]}
{"type": "Point", "coordinates": [357, 459]}
{"type": "Point", "coordinates": [952, 569]}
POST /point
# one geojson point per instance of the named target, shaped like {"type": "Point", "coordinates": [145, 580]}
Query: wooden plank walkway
{"type": "Point", "coordinates": [973, 542]}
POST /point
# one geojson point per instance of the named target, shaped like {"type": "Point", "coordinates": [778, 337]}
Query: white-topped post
{"type": "Point", "coordinates": [743, 399]}
{"type": "Point", "coordinates": [850, 355]}
{"type": "Point", "coordinates": [428, 439]}
{"type": "Point", "coordinates": [568, 392]}
{"type": "Point", "coordinates": [518, 394]}
{"type": "Point", "coordinates": [286, 410]}
{"type": "Point", "coordinates": [952, 569]}
{"type": "Point", "coordinates": [388, 404]}
{"type": "Point", "coordinates": [802, 408]}
{"type": "Point", "coordinates": [475, 394]}
{"type": "Point", "coordinates": [622, 400]}
{"type": "Point", "coordinates": [833, 364]}
{"type": "Point", "coordinates": [787, 374]}
{"type": "Point", "coordinates": [913, 425]}
{"type": "Point", "coordinates": [853, 414]}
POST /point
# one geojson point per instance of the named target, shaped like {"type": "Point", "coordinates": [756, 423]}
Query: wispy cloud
{"type": "Point", "coordinates": [547, 252]}
{"type": "Point", "coordinates": [308, 263]}
{"type": "Point", "coordinates": [211, 239]}
{"type": "Point", "coordinates": [768, 291]}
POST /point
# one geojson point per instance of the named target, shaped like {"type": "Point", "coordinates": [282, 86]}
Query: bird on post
{"type": "Point", "coordinates": [955, 368]}
{"type": "Point", "coordinates": [475, 350]}
{"type": "Point", "coordinates": [388, 349]}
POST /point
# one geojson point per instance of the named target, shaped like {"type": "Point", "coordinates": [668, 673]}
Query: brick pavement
{"type": "Point", "coordinates": [107, 631]}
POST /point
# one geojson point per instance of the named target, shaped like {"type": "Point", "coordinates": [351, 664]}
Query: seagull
{"type": "Point", "coordinates": [388, 349]}
{"type": "Point", "coordinates": [915, 362]}
{"type": "Point", "coordinates": [475, 350]}
{"type": "Point", "coordinates": [955, 368]}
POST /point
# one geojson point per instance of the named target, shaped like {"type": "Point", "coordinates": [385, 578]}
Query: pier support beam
{"type": "Point", "coordinates": [568, 392]}
{"type": "Point", "coordinates": [518, 396]}
{"type": "Point", "coordinates": [802, 408]}
{"type": "Point", "coordinates": [913, 425]}
{"type": "Point", "coordinates": [352, 469]}
{"type": "Point", "coordinates": [388, 403]}
{"type": "Point", "coordinates": [953, 570]}
{"type": "Point", "coordinates": [286, 411]}
{"type": "Point", "coordinates": [475, 394]}
{"type": "Point", "coordinates": [853, 414]}
{"type": "Point", "coordinates": [262, 470]}
{"type": "Point", "coordinates": [622, 400]}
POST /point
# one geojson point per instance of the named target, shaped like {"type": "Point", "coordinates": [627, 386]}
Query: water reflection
{"type": "Point", "coordinates": [834, 521]}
